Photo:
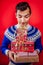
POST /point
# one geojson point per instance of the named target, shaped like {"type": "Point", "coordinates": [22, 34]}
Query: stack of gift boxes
{"type": "Point", "coordinates": [22, 46]}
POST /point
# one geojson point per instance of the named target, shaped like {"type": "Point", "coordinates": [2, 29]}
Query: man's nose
{"type": "Point", "coordinates": [23, 19]}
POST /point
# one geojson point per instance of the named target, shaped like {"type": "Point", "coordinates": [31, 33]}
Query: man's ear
{"type": "Point", "coordinates": [30, 16]}
{"type": "Point", "coordinates": [16, 15]}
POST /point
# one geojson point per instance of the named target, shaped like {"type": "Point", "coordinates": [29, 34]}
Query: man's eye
{"type": "Point", "coordinates": [20, 16]}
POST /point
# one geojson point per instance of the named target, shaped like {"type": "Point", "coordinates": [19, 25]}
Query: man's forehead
{"type": "Point", "coordinates": [25, 12]}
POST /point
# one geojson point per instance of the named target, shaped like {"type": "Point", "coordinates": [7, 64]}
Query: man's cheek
{"type": "Point", "coordinates": [19, 20]}
{"type": "Point", "coordinates": [27, 20]}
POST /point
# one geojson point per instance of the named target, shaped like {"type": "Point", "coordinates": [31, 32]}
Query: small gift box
{"type": "Point", "coordinates": [22, 47]}
{"type": "Point", "coordinates": [24, 57]}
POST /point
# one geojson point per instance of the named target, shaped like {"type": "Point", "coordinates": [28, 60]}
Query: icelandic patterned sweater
{"type": "Point", "coordinates": [33, 34]}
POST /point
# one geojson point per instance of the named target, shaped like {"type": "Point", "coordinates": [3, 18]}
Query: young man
{"type": "Point", "coordinates": [23, 13]}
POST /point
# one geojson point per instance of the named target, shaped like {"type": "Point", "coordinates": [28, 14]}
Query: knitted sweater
{"type": "Point", "coordinates": [33, 34]}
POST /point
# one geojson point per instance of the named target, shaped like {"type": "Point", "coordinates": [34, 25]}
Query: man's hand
{"type": "Point", "coordinates": [11, 55]}
{"type": "Point", "coordinates": [33, 53]}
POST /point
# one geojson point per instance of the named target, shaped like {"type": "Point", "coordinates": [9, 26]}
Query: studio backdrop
{"type": "Point", "coordinates": [7, 13]}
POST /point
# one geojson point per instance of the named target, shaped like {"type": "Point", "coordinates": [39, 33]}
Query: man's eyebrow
{"type": "Point", "coordinates": [27, 14]}
{"type": "Point", "coordinates": [24, 15]}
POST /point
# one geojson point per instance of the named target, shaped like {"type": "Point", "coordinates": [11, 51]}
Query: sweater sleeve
{"type": "Point", "coordinates": [5, 44]}
{"type": "Point", "coordinates": [38, 44]}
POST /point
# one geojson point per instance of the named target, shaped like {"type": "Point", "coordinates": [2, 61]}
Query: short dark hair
{"type": "Point", "coordinates": [23, 6]}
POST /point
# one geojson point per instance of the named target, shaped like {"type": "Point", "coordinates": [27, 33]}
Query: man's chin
{"type": "Point", "coordinates": [22, 25]}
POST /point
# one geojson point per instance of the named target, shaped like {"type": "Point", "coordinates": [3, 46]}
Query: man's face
{"type": "Point", "coordinates": [23, 17]}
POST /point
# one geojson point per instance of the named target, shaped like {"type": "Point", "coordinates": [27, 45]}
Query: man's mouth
{"type": "Point", "coordinates": [24, 23]}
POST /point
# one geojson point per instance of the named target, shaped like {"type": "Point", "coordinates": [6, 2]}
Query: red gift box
{"type": "Point", "coordinates": [22, 47]}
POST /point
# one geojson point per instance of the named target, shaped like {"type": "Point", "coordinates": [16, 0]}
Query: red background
{"type": "Point", "coordinates": [7, 12]}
